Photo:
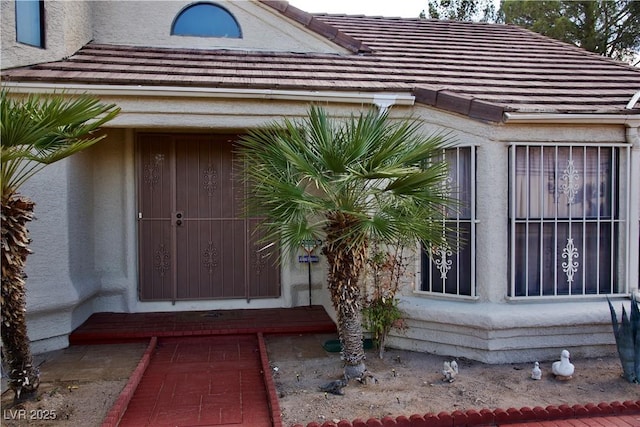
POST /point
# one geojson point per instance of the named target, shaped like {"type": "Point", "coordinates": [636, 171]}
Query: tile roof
{"type": "Point", "coordinates": [477, 69]}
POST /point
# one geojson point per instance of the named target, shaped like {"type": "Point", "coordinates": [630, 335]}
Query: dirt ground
{"type": "Point", "coordinates": [408, 383]}
{"type": "Point", "coordinates": [412, 383]}
{"type": "Point", "coordinates": [78, 386]}
{"type": "Point", "coordinates": [63, 405]}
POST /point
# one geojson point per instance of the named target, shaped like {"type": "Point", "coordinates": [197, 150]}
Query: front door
{"type": "Point", "coordinates": [194, 242]}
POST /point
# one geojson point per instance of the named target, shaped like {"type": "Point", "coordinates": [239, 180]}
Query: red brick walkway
{"type": "Point", "coordinates": [202, 381]}
{"type": "Point", "coordinates": [208, 369]}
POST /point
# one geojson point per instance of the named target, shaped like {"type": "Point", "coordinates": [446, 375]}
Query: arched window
{"type": "Point", "coordinates": [205, 20]}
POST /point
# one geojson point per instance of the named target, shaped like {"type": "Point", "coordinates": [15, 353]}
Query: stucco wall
{"type": "Point", "coordinates": [93, 266]}
{"type": "Point", "coordinates": [61, 269]}
{"type": "Point", "coordinates": [72, 24]}
{"type": "Point", "coordinates": [145, 23]}
{"type": "Point", "coordinates": [85, 242]}
{"type": "Point", "coordinates": [84, 238]}
{"type": "Point", "coordinates": [68, 28]}
{"type": "Point", "coordinates": [82, 261]}
{"type": "Point", "coordinates": [492, 328]}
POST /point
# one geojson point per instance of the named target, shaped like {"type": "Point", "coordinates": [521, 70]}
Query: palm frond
{"type": "Point", "coordinates": [382, 174]}
{"type": "Point", "coordinates": [39, 130]}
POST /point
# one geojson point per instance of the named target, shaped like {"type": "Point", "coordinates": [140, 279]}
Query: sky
{"type": "Point", "coordinates": [401, 8]}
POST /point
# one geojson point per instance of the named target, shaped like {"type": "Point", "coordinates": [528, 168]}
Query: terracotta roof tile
{"type": "Point", "coordinates": [476, 69]}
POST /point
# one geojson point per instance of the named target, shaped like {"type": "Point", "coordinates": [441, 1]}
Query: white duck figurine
{"type": "Point", "coordinates": [563, 369]}
{"type": "Point", "coordinates": [450, 371]}
{"type": "Point", "coordinates": [536, 372]}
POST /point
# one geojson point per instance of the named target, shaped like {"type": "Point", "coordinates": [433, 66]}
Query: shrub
{"type": "Point", "coordinates": [380, 310]}
{"type": "Point", "coordinates": [627, 334]}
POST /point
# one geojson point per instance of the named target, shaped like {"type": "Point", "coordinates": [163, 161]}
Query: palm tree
{"type": "Point", "coordinates": [351, 182]}
{"type": "Point", "coordinates": [35, 131]}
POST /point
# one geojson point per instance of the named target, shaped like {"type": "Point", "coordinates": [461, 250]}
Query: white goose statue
{"type": "Point", "coordinates": [563, 369]}
{"type": "Point", "coordinates": [450, 371]}
{"type": "Point", "coordinates": [536, 372]}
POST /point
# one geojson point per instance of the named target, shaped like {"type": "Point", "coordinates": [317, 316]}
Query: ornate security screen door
{"type": "Point", "coordinates": [194, 242]}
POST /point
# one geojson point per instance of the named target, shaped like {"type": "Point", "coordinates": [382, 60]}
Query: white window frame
{"type": "Point", "coordinates": [621, 176]}
{"type": "Point", "coordinates": [448, 256]}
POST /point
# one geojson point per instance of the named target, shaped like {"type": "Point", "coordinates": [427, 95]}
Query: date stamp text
{"type": "Point", "coordinates": [29, 414]}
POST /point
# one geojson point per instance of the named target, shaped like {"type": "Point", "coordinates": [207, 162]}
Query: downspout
{"type": "Point", "coordinates": [633, 101]}
{"type": "Point", "coordinates": [384, 102]}
{"type": "Point", "coordinates": [633, 138]}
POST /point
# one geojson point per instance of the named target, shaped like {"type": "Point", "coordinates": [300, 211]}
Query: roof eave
{"type": "Point", "coordinates": [381, 98]}
{"type": "Point", "coordinates": [467, 106]}
{"type": "Point", "coordinates": [631, 119]}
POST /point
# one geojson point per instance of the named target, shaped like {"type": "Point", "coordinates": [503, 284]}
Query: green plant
{"type": "Point", "coordinates": [627, 334]}
{"type": "Point", "coordinates": [348, 181]}
{"type": "Point", "coordinates": [35, 131]}
{"type": "Point", "coordinates": [380, 309]}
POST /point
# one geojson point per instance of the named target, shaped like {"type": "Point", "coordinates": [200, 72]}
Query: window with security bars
{"type": "Point", "coordinates": [566, 231]}
{"type": "Point", "coordinates": [446, 270]}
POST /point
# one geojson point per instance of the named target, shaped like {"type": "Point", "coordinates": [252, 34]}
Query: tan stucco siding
{"type": "Point", "coordinates": [85, 238]}
{"type": "Point", "coordinates": [72, 24]}
{"type": "Point", "coordinates": [68, 26]}
{"type": "Point", "coordinates": [145, 23]}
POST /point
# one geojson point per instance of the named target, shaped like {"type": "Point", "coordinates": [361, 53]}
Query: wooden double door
{"type": "Point", "coordinates": [194, 241]}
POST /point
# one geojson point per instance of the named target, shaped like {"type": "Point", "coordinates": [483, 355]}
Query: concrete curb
{"type": "Point", "coordinates": [120, 406]}
{"type": "Point", "coordinates": [499, 416]}
{"type": "Point", "coordinates": [274, 404]}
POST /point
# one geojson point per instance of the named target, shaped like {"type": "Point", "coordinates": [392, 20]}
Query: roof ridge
{"type": "Point", "coordinates": [325, 30]}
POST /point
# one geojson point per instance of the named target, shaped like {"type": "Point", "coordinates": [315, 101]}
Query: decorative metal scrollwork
{"type": "Point", "coordinates": [447, 186]}
{"type": "Point", "coordinates": [440, 254]}
{"type": "Point", "coordinates": [161, 260]}
{"type": "Point", "coordinates": [210, 258]}
{"type": "Point", "coordinates": [441, 260]}
{"type": "Point", "coordinates": [210, 180]}
{"type": "Point", "coordinates": [570, 182]}
{"type": "Point", "coordinates": [152, 170]}
{"type": "Point", "coordinates": [258, 259]}
{"type": "Point", "coordinates": [570, 267]}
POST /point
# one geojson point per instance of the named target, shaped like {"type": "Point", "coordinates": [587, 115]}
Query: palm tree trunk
{"type": "Point", "coordinates": [346, 262]}
{"type": "Point", "coordinates": [24, 378]}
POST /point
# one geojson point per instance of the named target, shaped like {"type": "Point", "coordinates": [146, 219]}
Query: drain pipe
{"type": "Point", "coordinates": [384, 102]}
{"type": "Point", "coordinates": [633, 138]}
{"type": "Point", "coordinates": [633, 101]}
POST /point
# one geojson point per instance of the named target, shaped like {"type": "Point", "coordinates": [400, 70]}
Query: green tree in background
{"type": "Point", "coordinates": [461, 10]}
{"type": "Point", "coordinates": [609, 28]}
